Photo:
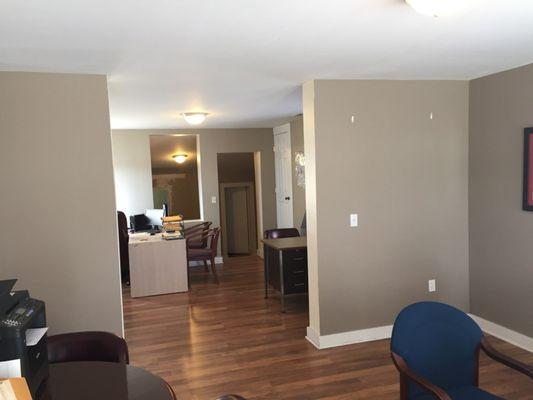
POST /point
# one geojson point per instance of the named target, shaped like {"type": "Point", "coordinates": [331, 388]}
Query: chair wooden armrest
{"type": "Point", "coordinates": [422, 382]}
{"type": "Point", "coordinates": [200, 236]}
{"type": "Point", "coordinates": [197, 227]}
{"type": "Point", "coordinates": [502, 358]}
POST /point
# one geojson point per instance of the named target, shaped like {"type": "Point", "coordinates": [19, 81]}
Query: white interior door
{"type": "Point", "coordinates": [282, 153]}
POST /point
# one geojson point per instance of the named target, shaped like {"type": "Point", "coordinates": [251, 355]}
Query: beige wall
{"type": "Point", "coordinates": [133, 174]}
{"type": "Point", "coordinates": [59, 225]}
{"type": "Point", "coordinates": [298, 193]}
{"type": "Point", "coordinates": [501, 234]}
{"type": "Point", "coordinates": [213, 141]}
{"type": "Point", "coordinates": [406, 176]}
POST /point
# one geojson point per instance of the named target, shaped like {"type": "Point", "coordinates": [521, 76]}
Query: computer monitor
{"type": "Point", "coordinates": [154, 216]}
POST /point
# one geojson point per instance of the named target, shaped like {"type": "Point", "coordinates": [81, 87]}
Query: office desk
{"type": "Point", "coordinates": [288, 271]}
{"type": "Point", "coordinates": [157, 266]}
{"type": "Point", "coordinates": [94, 380]}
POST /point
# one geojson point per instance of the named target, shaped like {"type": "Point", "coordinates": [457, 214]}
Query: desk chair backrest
{"type": "Point", "coordinates": [438, 342]}
{"type": "Point", "coordinates": [281, 233]}
{"type": "Point", "coordinates": [87, 346]}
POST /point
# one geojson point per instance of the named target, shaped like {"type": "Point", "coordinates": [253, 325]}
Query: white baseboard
{"type": "Point", "coordinates": [346, 338]}
{"type": "Point", "coordinates": [218, 260]}
{"type": "Point", "coordinates": [503, 333]}
{"type": "Point", "coordinates": [385, 332]}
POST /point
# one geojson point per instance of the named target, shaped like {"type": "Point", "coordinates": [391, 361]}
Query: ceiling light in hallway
{"type": "Point", "coordinates": [180, 158]}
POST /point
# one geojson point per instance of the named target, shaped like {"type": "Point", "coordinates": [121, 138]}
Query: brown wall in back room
{"type": "Point", "coordinates": [235, 167]}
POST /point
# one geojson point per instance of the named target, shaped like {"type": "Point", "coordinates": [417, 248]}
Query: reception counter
{"type": "Point", "coordinates": [157, 266]}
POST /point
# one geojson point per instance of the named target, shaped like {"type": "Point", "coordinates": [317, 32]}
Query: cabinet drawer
{"type": "Point", "coordinates": [295, 274]}
{"type": "Point", "coordinates": [295, 257]}
{"type": "Point", "coordinates": [295, 287]}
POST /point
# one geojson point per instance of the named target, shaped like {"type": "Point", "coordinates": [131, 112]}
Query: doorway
{"type": "Point", "coordinates": [238, 219]}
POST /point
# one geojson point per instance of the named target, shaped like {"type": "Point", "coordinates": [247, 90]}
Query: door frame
{"type": "Point", "coordinates": [252, 221]}
{"type": "Point", "coordinates": [284, 129]}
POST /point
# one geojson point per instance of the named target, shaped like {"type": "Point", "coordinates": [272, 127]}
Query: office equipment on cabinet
{"type": "Point", "coordinates": [23, 342]}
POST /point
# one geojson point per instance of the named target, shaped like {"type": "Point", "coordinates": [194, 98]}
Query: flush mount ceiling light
{"type": "Point", "coordinates": [194, 118]}
{"type": "Point", "coordinates": [437, 8]}
{"type": "Point", "coordinates": [180, 158]}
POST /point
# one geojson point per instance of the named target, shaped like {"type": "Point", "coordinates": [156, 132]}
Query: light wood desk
{"type": "Point", "coordinates": [288, 271]}
{"type": "Point", "coordinates": [157, 266]}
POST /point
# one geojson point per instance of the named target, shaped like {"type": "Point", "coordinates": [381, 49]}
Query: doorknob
{"type": "Point", "coordinates": [287, 198]}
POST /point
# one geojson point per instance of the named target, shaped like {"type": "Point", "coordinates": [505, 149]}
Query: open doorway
{"type": "Point", "coordinates": [237, 193]}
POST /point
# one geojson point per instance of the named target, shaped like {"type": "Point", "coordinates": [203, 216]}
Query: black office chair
{"type": "Point", "coordinates": [123, 240]}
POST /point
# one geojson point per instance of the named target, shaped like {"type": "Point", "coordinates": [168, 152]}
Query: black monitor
{"type": "Point", "coordinates": [140, 223]}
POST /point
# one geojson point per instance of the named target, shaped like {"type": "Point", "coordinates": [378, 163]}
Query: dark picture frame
{"type": "Point", "coordinates": [527, 194]}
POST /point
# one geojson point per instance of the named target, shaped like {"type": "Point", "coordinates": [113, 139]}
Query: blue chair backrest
{"type": "Point", "coordinates": [438, 342]}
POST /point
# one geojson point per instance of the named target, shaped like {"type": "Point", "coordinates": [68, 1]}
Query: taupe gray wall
{"type": "Point", "coordinates": [406, 175]}
{"type": "Point", "coordinates": [501, 234]}
{"type": "Point", "coordinates": [59, 225]}
{"type": "Point", "coordinates": [133, 174]}
{"type": "Point", "coordinates": [213, 141]}
{"type": "Point", "coordinates": [298, 193]}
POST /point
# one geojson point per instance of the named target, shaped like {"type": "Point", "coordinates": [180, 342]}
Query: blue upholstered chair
{"type": "Point", "coordinates": [436, 350]}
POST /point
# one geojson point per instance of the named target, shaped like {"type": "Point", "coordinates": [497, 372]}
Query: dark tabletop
{"type": "Point", "coordinates": [102, 381]}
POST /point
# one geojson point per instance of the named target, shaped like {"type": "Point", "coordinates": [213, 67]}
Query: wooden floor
{"type": "Point", "coordinates": [227, 338]}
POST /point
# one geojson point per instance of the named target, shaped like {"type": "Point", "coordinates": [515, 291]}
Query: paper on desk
{"type": "Point", "coordinates": [10, 369]}
{"type": "Point", "coordinates": [33, 335]}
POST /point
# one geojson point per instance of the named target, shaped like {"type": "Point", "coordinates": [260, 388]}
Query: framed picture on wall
{"type": "Point", "coordinates": [527, 203]}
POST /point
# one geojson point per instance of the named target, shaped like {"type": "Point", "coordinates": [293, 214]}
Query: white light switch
{"type": "Point", "coordinates": [354, 220]}
{"type": "Point", "coordinates": [432, 285]}
{"type": "Point", "coordinates": [214, 199]}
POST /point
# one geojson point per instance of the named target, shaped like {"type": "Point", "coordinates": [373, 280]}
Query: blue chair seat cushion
{"type": "Point", "coordinates": [463, 393]}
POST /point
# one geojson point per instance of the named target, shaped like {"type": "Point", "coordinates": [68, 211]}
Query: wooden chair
{"type": "Point", "coordinates": [204, 254]}
{"type": "Point", "coordinates": [435, 347]}
{"type": "Point", "coordinates": [87, 346]}
{"type": "Point", "coordinates": [197, 231]}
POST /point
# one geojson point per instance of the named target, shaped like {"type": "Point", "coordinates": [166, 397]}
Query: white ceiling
{"type": "Point", "coordinates": [244, 60]}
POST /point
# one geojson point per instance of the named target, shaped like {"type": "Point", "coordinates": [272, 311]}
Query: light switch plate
{"type": "Point", "coordinates": [432, 285]}
{"type": "Point", "coordinates": [214, 199]}
{"type": "Point", "coordinates": [354, 220]}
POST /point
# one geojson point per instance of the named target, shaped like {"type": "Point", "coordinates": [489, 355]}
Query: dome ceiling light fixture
{"type": "Point", "coordinates": [437, 8]}
{"type": "Point", "coordinates": [194, 118]}
{"type": "Point", "coordinates": [180, 158]}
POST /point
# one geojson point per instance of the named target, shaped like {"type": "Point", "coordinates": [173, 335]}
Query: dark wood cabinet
{"type": "Point", "coordinates": [286, 266]}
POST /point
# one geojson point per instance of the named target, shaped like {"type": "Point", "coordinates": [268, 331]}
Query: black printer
{"type": "Point", "coordinates": [20, 318]}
